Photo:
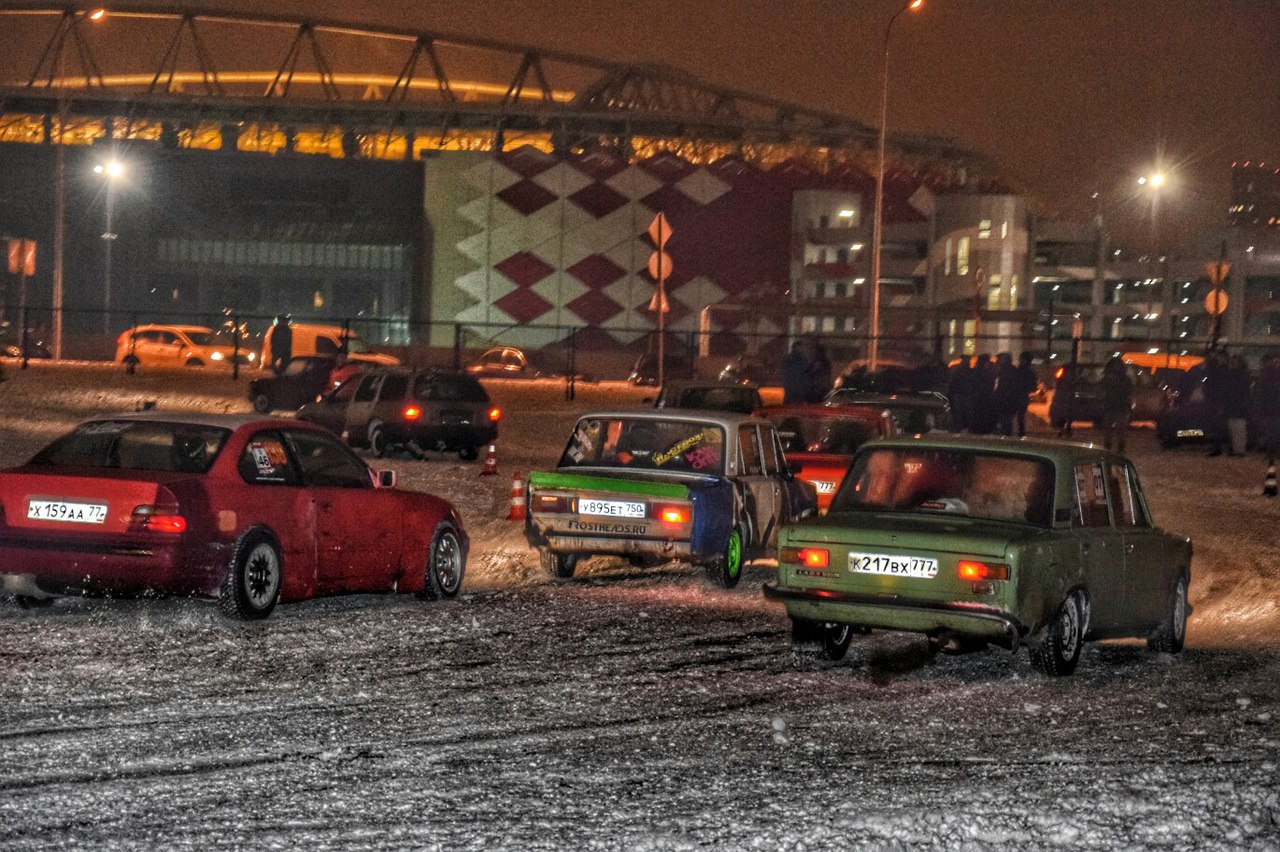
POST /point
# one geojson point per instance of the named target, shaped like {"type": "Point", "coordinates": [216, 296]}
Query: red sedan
{"type": "Point", "coordinates": [819, 440]}
{"type": "Point", "coordinates": [243, 509]}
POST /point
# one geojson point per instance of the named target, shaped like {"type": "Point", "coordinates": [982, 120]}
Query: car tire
{"type": "Point", "coordinates": [445, 565]}
{"type": "Point", "coordinates": [194, 362]}
{"type": "Point", "coordinates": [822, 640]}
{"type": "Point", "coordinates": [1172, 632]}
{"type": "Point", "coordinates": [252, 584]}
{"type": "Point", "coordinates": [262, 403]}
{"type": "Point", "coordinates": [1058, 650]}
{"type": "Point", "coordinates": [377, 439]}
{"type": "Point", "coordinates": [559, 565]}
{"type": "Point", "coordinates": [130, 359]}
{"type": "Point", "coordinates": [469, 453]}
{"type": "Point", "coordinates": [726, 569]}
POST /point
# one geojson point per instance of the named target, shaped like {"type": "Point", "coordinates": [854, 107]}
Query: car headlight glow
{"type": "Point", "coordinates": [215, 356]}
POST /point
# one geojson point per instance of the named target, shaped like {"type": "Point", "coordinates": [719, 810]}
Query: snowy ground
{"type": "Point", "coordinates": [622, 710]}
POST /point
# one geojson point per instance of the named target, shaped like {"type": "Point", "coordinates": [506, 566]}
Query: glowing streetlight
{"type": "Point", "coordinates": [97, 14]}
{"type": "Point", "coordinates": [877, 221]}
{"type": "Point", "coordinates": [112, 171]}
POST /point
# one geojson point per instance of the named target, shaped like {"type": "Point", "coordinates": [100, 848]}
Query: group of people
{"type": "Point", "coordinates": [1232, 396]}
{"type": "Point", "coordinates": [992, 396]}
{"type": "Point", "coordinates": [806, 376]}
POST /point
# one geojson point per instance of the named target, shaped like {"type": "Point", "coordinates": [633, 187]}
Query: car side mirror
{"type": "Point", "coordinates": [386, 479]}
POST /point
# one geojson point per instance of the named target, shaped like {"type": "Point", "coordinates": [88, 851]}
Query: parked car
{"type": "Point", "coordinates": [914, 413]}
{"type": "Point", "coordinates": [710, 396]}
{"type": "Point", "coordinates": [246, 510]}
{"type": "Point", "coordinates": [1077, 394]}
{"type": "Point", "coordinates": [660, 485]}
{"type": "Point", "coordinates": [178, 346]}
{"type": "Point", "coordinates": [819, 440]}
{"type": "Point", "coordinates": [677, 364]}
{"type": "Point", "coordinates": [752, 370]}
{"type": "Point", "coordinates": [327, 340]}
{"type": "Point", "coordinates": [504, 362]}
{"type": "Point", "coordinates": [1190, 419]}
{"type": "Point", "coordinates": [977, 540]}
{"type": "Point", "coordinates": [301, 382]}
{"type": "Point", "coordinates": [11, 343]}
{"type": "Point", "coordinates": [893, 376]}
{"type": "Point", "coordinates": [414, 410]}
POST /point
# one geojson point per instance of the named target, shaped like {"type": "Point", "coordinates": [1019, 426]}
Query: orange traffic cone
{"type": "Point", "coordinates": [1269, 481]}
{"type": "Point", "coordinates": [490, 461]}
{"type": "Point", "coordinates": [517, 498]}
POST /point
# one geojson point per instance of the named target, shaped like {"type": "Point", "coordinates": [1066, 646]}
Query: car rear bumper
{"type": "Point", "coordinates": [619, 546]}
{"type": "Point", "coordinates": [452, 436]}
{"type": "Point", "coordinates": [124, 568]}
{"type": "Point", "coordinates": [929, 617]}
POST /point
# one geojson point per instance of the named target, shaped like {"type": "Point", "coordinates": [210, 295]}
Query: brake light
{"type": "Point", "coordinates": [412, 413]}
{"type": "Point", "coordinates": [673, 514]}
{"type": "Point", "coordinates": [813, 557]}
{"type": "Point", "coordinates": [968, 569]}
{"type": "Point", "coordinates": [155, 519]}
{"type": "Point", "coordinates": [1058, 373]}
{"type": "Point", "coordinates": [495, 414]}
{"type": "Point", "coordinates": [551, 503]}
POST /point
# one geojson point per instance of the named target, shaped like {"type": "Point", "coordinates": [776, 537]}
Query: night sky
{"type": "Point", "coordinates": [1068, 96]}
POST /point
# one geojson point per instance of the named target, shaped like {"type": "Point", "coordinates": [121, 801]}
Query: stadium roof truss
{"type": "Point", "coordinates": [189, 75]}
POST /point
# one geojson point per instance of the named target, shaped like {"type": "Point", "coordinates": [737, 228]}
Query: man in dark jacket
{"type": "Point", "coordinates": [281, 344]}
{"type": "Point", "coordinates": [1117, 403]}
{"type": "Point", "coordinates": [795, 375]}
{"type": "Point", "coordinates": [1009, 396]}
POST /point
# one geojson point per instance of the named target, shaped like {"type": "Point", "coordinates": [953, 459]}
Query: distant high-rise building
{"type": "Point", "coordinates": [1255, 195]}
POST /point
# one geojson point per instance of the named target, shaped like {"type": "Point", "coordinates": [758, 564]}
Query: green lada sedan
{"type": "Point", "coordinates": [975, 541]}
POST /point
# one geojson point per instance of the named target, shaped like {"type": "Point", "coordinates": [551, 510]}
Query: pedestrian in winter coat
{"type": "Point", "coordinates": [1027, 384]}
{"type": "Point", "coordinates": [1117, 403]}
{"type": "Point", "coordinates": [960, 392]}
{"type": "Point", "coordinates": [1266, 406]}
{"type": "Point", "coordinates": [819, 374]}
{"type": "Point", "coordinates": [1009, 396]}
{"type": "Point", "coordinates": [795, 375]}
{"type": "Point", "coordinates": [1215, 384]}
{"type": "Point", "coordinates": [985, 415]}
{"type": "Point", "coordinates": [1235, 403]}
{"type": "Point", "coordinates": [281, 344]}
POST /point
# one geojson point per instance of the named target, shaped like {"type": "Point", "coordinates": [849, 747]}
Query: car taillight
{"type": "Point", "coordinates": [552, 503]}
{"type": "Point", "coordinates": [412, 413]}
{"type": "Point", "coordinates": [672, 514]}
{"type": "Point", "coordinates": [968, 569]}
{"type": "Point", "coordinates": [495, 414]}
{"type": "Point", "coordinates": [1058, 373]}
{"type": "Point", "coordinates": [156, 519]}
{"type": "Point", "coordinates": [810, 557]}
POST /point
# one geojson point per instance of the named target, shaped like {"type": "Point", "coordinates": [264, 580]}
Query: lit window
{"type": "Point", "coordinates": [993, 298]}
{"type": "Point", "coordinates": [946, 258]}
{"type": "Point", "coordinates": [846, 214]}
{"type": "Point", "coordinates": [962, 256]}
{"type": "Point", "coordinates": [828, 324]}
{"type": "Point", "coordinates": [1004, 230]}
{"type": "Point", "coordinates": [984, 229]}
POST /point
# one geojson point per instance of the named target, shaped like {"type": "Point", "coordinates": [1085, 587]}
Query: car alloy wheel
{"type": "Point", "coordinates": [444, 566]}
{"type": "Point", "coordinates": [252, 585]}
{"type": "Point", "coordinates": [377, 440]}
{"type": "Point", "coordinates": [261, 403]}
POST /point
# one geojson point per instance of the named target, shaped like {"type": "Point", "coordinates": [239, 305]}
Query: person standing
{"type": "Point", "coordinates": [1117, 403]}
{"type": "Point", "coordinates": [819, 374]}
{"type": "Point", "coordinates": [1215, 393]}
{"type": "Point", "coordinates": [960, 392]}
{"type": "Point", "coordinates": [1009, 397]}
{"type": "Point", "coordinates": [1235, 403]}
{"type": "Point", "coordinates": [1266, 409]}
{"type": "Point", "coordinates": [1027, 384]}
{"type": "Point", "coordinates": [281, 344]}
{"type": "Point", "coordinates": [984, 396]}
{"type": "Point", "coordinates": [795, 375]}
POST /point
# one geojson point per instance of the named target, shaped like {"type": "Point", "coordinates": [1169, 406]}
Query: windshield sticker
{"type": "Point", "coordinates": [269, 458]}
{"type": "Point", "coordinates": [679, 448]}
{"type": "Point", "coordinates": [701, 458]}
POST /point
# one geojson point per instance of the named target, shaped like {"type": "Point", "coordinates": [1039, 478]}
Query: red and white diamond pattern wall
{"type": "Point", "coordinates": [559, 242]}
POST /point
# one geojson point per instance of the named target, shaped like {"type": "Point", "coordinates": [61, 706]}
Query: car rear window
{"type": "Point", "coordinates": [819, 434]}
{"type": "Point", "coordinates": [627, 443]}
{"type": "Point", "coordinates": [136, 445]}
{"type": "Point", "coordinates": [448, 387]}
{"type": "Point", "coordinates": [958, 482]}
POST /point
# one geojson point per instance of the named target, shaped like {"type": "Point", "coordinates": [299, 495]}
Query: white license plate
{"type": "Point", "coordinates": [71, 513]}
{"type": "Point", "coordinates": [611, 508]}
{"type": "Point", "coordinates": [894, 566]}
{"type": "Point", "coordinates": [1190, 433]}
{"type": "Point", "coordinates": [824, 486]}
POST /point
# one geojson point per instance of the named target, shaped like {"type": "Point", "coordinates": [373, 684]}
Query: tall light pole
{"type": "Point", "coordinates": [877, 220]}
{"type": "Point", "coordinates": [111, 171]}
{"type": "Point", "coordinates": [1154, 183]}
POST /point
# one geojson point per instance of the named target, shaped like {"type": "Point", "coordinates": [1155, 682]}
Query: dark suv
{"type": "Point", "coordinates": [413, 410]}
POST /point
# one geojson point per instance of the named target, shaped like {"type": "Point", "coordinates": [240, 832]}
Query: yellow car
{"type": "Point", "coordinates": [178, 346]}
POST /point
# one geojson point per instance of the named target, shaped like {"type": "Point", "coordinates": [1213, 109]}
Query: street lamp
{"type": "Point", "coordinates": [877, 221]}
{"type": "Point", "coordinates": [1154, 184]}
{"type": "Point", "coordinates": [112, 171]}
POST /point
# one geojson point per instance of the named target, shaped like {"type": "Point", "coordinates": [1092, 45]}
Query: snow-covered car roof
{"type": "Point", "coordinates": [724, 419]}
{"type": "Point", "coordinates": [199, 418]}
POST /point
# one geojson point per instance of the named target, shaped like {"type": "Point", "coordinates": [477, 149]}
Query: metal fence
{"type": "Point", "coordinates": [588, 352]}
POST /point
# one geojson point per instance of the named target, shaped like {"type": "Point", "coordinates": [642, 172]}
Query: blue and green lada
{"type": "Point", "coordinates": [708, 487]}
{"type": "Point", "coordinates": [976, 541]}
